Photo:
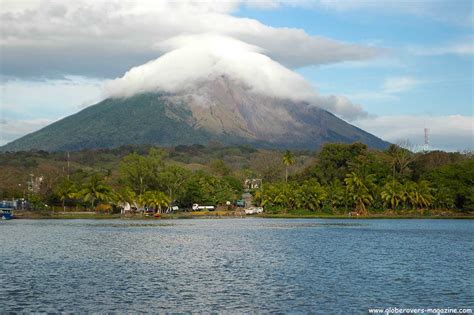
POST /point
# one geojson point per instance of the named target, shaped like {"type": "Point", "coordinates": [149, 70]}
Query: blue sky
{"type": "Point", "coordinates": [399, 66]}
{"type": "Point", "coordinates": [445, 81]}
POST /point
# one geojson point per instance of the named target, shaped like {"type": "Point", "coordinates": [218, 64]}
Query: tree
{"type": "Point", "coordinates": [288, 160]}
{"type": "Point", "coordinates": [267, 165]}
{"type": "Point", "coordinates": [392, 194]}
{"type": "Point", "coordinates": [402, 156]}
{"type": "Point", "coordinates": [418, 195]}
{"type": "Point", "coordinates": [275, 195]}
{"type": "Point", "coordinates": [126, 194]}
{"type": "Point", "coordinates": [371, 162]}
{"type": "Point", "coordinates": [358, 190]}
{"type": "Point", "coordinates": [429, 161]}
{"type": "Point", "coordinates": [203, 188]}
{"type": "Point", "coordinates": [172, 179]}
{"type": "Point", "coordinates": [134, 172]}
{"type": "Point", "coordinates": [444, 198]}
{"type": "Point", "coordinates": [96, 190]}
{"type": "Point", "coordinates": [456, 181]}
{"type": "Point", "coordinates": [310, 195]}
{"type": "Point", "coordinates": [155, 199]}
{"type": "Point", "coordinates": [141, 172]}
{"type": "Point", "coordinates": [334, 159]}
{"type": "Point", "coordinates": [36, 201]}
{"type": "Point", "coordinates": [282, 195]}
{"type": "Point", "coordinates": [219, 168]}
{"type": "Point", "coordinates": [65, 190]}
{"type": "Point", "coordinates": [336, 194]}
{"type": "Point", "coordinates": [234, 183]}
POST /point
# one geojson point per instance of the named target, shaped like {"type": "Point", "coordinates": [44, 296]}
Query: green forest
{"type": "Point", "coordinates": [337, 179]}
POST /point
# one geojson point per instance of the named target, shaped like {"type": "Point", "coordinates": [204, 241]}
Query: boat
{"type": "Point", "coordinates": [6, 214]}
{"type": "Point", "coordinates": [6, 210]}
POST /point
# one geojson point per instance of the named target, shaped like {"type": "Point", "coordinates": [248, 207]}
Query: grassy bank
{"type": "Point", "coordinates": [381, 214]}
{"type": "Point", "coordinates": [96, 216]}
{"type": "Point", "coordinates": [294, 214]}
{"type": "Point", "coordinates": [64, 215]}
{"type": "Point", "coordinates": [370, 216]}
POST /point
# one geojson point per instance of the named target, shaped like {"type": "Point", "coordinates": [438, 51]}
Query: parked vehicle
{"type": "Point", "coordinates": [240, 203]}
{"type": "Point", "coordinates": [254, 210]}
{"type": "Point", "coordinates": [197, 207]}
{"type": "Point", "coordinates": [171, 209]}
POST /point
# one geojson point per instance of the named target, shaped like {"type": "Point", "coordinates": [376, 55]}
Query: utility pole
{"type": "Point", "coordinates": [67, 165]}
{"type": "Point", "coordinates": [427, 140]}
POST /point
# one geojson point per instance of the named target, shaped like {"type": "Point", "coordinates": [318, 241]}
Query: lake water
{"type": "Point", "coordinates": [235, 265]}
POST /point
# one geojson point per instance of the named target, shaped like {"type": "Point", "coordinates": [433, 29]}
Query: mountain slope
{"type": "Point", "coordinates": [221, 110]}
{"type": "Point", "coordinates": [142, 119]}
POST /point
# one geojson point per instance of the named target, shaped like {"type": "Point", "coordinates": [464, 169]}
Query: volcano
{"type": "Point", "coordinates": [220, 109]}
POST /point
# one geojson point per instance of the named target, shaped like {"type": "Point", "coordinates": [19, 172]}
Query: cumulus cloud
{"type": "Point", "coordinates": [106, 38]}
{"type": "Point", "coordinates": [341, 106]}
{"type": "Point", "coordinates": [192, 59]}
{"type": "Point", "coordinates": [451, 133]}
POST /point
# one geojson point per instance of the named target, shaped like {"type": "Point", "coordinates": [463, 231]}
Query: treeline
{"type": "Point", "coordinates": [143, 180]}
{"type": "Point", "coordinates": [339, 178]}
{"type": "Point", "coordinates": [347, 178]}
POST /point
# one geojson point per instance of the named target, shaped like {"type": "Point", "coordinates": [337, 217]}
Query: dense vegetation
{"type": "Point", "coordinates": [338, 179]}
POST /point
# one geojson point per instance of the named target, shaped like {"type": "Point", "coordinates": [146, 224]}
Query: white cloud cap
{"type": "Point", "coordinates": [204, 57]}
{"type": "Point", "coordinates": [196, 58]}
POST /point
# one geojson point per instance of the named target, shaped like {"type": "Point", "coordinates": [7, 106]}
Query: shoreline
{"type": "Point", "coordinates": [34, 215]}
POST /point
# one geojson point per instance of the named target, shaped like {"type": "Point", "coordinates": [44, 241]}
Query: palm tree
{"type": "Point", "coordinates": [125, 195]}
{"type": "Point", "coordinates": [66, 190]}
{"type": "Point", "coordinates": [419, 194]}
{"type": "Point", "coordinates": [336, 194]}
{"type": "Point", "coordinates": [358, 191]}
{"type": "Point", "coordinates": [155, 199]}
{"type": "Point", "coordinates": [425, 197]}
{"type": "Point", "coordinates": [96, 190]}
{"type": "Point", "coordinates": [259, 198]}
{"type": "Point", "coordinates": [288, 159]}
{"type": "Point", "coordinates": [280, 196]}
{"type": "Point", "coordinates": [128, 195]}
{"type": "Point", "coordinates": [393, 194]}
{"type": "Point", "coordinates": [311, 195]}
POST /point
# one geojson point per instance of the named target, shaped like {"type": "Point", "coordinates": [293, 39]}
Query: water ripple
{"type": "Point", "coordinates": [234, 266]}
